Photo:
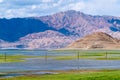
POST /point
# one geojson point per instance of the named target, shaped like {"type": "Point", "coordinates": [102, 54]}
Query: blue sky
{"type": "Point", "coordinates": [28, 8]}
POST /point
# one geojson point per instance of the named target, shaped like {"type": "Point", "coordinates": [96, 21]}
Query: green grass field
{"type": "Point", "coordinates": [73, 75]}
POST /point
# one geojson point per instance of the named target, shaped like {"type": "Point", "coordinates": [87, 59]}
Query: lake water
{"type": "Point", "coordinates": [52, 64]}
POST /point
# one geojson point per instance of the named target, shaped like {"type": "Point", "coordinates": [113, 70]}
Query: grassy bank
{"type": "Point", "coordinates": [74, 54]}
{"type": "Point", "coordinates": [81, 54]}
{"type": "Point", "coordinates": [14, 58]}
{"type": "Point", "coordinates": [74, 75]}
{"type": "Point", "coordinates": [89, 54]}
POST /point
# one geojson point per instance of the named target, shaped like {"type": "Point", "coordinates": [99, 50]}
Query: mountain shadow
{"type": "Point", "coordinates": [13, 29]}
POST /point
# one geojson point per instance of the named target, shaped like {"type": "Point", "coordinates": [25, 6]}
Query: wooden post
{"type": "Point", "coordinates": [46, 57]}
{"type": "Point", "coordinates": [106, 55]}
{"type": "Point", "coordinates": [5, 57]}
{"type": "Point", "coordinates": [78, 55]}
{"type": "Point", "coordinates": [78, 60]}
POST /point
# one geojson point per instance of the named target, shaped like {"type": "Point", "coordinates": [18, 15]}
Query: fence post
{"type": "Point", "coordinates": [78, 60]}
{"type": "Point", "coordinates": [78, 55]}
{"type": "Point", "coordinates": [106, 56]}
{"type": "Point", "coordinates": [5, 57]}
{"type": "Point", "coordinates": [46, 57]}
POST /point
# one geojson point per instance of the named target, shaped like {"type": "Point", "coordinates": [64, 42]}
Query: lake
{"type": "Point", "coordinates": [54, 64]}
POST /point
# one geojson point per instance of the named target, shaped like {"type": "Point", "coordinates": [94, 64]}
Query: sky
{"type": "Point", "coordinates": [30, 8]}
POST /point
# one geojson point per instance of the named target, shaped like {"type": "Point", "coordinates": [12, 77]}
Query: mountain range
{"type": "Point", "coordinates": [54, 31]}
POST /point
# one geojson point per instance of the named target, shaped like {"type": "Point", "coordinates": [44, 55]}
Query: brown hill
{"type": "Point", "coordinates": [97, 40]}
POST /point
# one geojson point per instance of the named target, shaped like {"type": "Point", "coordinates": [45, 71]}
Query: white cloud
{"type": "Point", "coordinates": [47, 1]}
{"type": "Point", "coordinates": [102, 7]}
{"type": "Point", "coordinates": [74, 6]}
{"type": "Point", "coordinates": [33, 7]}
{"type": "Point", "coordinates": [25, 8]}
{"type": "Point", "coordinates": [1, 1]}
{"type": "Point", "coordinates": [58, 3]}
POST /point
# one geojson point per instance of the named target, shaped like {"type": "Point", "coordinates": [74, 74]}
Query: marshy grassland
{"type": "Point", "coordinates": [14, 58]}
{"type": "Point", "coordinates": [73, 75]}
{"type": "Point", "coordinates": [69, 55]}
{"type": "Point", "coordinates": [89, 54]}
{"type": "Point", "coordinates": [68, 74]}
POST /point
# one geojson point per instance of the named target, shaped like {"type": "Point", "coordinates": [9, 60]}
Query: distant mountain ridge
{"type": "Point", "coordinates": [13, 29]}
{"type": "Point", "coordinates": [80, 24]}
{"type": "Point", "coordinates": [46, 31]}
{"type": "Point", "coordinates": [48, 39]}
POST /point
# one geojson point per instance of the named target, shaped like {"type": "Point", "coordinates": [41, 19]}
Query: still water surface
{"type": "Point", "coordinates": [52, 64]}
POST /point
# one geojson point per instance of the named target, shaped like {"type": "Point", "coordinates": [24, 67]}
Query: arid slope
{"type": "Point", "coordinates": [97, 40]}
